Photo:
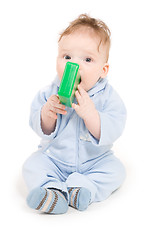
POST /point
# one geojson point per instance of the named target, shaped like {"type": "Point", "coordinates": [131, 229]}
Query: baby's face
{"type": "Point", "coordinates": [82, 47]}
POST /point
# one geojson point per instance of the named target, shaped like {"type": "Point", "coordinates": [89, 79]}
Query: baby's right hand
{"type": "Point", "coordinates": [52, 107]}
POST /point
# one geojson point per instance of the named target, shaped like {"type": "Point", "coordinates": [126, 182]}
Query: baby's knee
{"type": "Point", "coordinates": [120, 173]}
{"type": "Point", "coordinates": [26, 166]}
{"type": "Point", "coordinates": [29, 164]}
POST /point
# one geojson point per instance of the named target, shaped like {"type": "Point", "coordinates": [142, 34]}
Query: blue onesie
{"type": "Point", "coordinates": [71, 156]}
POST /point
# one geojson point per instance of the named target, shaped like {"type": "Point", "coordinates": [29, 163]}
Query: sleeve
{"type": "Point", "coordinates": [113, 119]}
{"type": "Point", "coordinates": [35, 112]}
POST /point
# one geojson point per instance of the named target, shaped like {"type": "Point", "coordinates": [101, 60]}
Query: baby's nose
{"type": "Point", "coordinates": [77, 60]}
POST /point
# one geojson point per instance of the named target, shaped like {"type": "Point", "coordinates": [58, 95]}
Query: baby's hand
{"type": "Point", "coordinates": [85, 107]}
{"type": "Point", "coordinates": [52, 107]}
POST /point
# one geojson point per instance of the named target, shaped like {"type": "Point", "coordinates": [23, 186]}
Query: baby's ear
{"type": "Point", "coordinates": [105, 70]}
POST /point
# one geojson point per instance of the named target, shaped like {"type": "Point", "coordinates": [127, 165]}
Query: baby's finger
{"type": "Point", "coordinates": [81, 90]}
{"type": "Point", "coordinates": [58, 110]}
{"type": "Point", "coordinates": [78, 97]}
{"type": "Point", "coordinates": [75, 107]}
{"type": "Point", "coordinates": [56, 105]}
{"type": "Point", "coordinates": [53, 100]}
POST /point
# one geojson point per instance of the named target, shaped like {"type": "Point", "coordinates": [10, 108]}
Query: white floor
{"type": "Point", "coordinates": [132, 212]}
{"type": "Point", "coordinates": [27, 60]}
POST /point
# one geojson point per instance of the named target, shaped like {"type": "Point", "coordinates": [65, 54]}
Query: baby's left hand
{"type": "Point", "coordinates": [85, 107]}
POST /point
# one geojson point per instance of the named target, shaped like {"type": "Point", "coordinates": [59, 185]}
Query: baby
{"type": "Point", "coordinates": [74, 164]}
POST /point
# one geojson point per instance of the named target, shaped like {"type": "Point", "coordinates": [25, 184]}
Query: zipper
{"type": "Point", "coordinates": [77, 144]}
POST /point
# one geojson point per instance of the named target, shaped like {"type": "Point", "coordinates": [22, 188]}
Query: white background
{"type": "Point", "coordinates": [28, 48]}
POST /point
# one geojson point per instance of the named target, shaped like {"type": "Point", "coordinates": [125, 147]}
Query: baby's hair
{"type": "Point", "coordinates": [98, 26]}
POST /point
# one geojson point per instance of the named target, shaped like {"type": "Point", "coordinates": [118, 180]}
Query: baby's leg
{"type": "Point", "coordinates": [39, 170]}
{"type": "Point", "coordinates": [101, 177]}
{"type": "Point", "coordinates": [107, 175]}
{"type": "Point", "coordinates": [46, 184]}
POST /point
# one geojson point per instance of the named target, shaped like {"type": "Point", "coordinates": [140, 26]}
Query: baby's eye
{"type": "Point", "coordinates": [88, 59]}
{"type": "Point", "coordinates": [67, 57]}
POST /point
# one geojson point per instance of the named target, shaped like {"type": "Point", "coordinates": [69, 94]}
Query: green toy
{"type": "Point", "coordinates": [69, 83]}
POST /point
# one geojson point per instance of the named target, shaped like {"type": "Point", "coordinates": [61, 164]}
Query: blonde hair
{"type": "Point", "coordinates": [98, 26]}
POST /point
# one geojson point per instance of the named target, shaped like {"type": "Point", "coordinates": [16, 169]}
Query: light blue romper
{"type": "Point", "coordinates": [71, 156]}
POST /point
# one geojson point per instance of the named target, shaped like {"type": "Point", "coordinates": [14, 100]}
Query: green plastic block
{"type": "Point", "coordinates": [70, 80]}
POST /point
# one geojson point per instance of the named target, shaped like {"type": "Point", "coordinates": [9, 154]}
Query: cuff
{"type": "Point", "coordinates": [37, 126]}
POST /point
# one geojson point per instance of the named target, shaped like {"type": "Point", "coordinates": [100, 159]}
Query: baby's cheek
{"type": "Point", "coordinates": [60, 69]}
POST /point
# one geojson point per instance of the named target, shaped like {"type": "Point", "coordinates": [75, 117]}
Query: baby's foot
{"type": "Point", "coordinates": [79, 197]}
{"type": "Point", "coordinates": [47, 200]}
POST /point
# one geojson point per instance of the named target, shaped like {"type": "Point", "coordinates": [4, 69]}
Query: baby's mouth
{"type": "Point", "coordinates": [81, 84]}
